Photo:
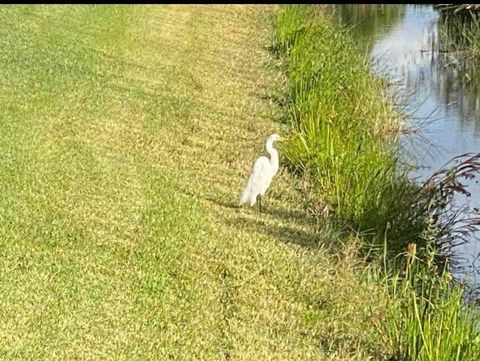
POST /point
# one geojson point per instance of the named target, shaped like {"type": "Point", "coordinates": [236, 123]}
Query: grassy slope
{"type": "Point", "coordinates": [126, 134]}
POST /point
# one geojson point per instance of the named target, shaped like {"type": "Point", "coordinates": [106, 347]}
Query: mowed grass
{"type": "Point", "coordinates": [126, 134]}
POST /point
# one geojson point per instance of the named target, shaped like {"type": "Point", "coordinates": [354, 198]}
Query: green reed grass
{"type": "Point", "coordinates": [343, 127]}
{"type": "Point", "coordinates": [460, 33]}
{"type": "Point", "coordinates": [426, 318]}
{"type": "Point", "coordinates": [344, 132]}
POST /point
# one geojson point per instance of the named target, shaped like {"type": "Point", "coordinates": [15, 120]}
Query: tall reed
{"type": "Point", "coordinates": [426, 319]}
{"type": "Point", "coordinates": [344, 129]}
{"type": "Point", "coordinates": [460, 33]}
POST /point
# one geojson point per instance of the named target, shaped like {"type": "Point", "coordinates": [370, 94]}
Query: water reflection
{"type": "Point", "coordinates": [409, 45]}
{"type": "Point", "coordinates": [370, 20]}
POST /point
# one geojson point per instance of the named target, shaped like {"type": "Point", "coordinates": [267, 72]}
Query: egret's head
{"type": "Point", "coordinates": [275, 138]}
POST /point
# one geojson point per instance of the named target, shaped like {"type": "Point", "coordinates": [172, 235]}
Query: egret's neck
{"type": "Point", "coordinates": [273, 156]}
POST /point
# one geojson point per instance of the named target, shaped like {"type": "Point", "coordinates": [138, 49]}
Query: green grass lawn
{"type": "Point", "coordinates": [126, 135]}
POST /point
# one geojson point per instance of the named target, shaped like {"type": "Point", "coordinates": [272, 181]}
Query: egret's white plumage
{"type": "Point", "coordinates": [263, 172]}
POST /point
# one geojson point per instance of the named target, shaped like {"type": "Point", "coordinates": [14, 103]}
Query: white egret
{"type": "Point", "coordinates": [263, 172]}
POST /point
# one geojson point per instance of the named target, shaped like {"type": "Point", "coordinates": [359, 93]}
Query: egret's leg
{"type": "Point", "coordinates": [259, 203]}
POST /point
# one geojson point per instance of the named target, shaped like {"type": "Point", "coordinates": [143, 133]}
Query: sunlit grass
{"type": "Point", "coordinates": [126, 134]}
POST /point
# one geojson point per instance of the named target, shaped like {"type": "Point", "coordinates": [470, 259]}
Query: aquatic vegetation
{"type": "Point", "coordinates": [426, 319]}
{"type": "Point", "coordinates": [344, 141]}
{"type": "Point", "coordinates": [344, 129]}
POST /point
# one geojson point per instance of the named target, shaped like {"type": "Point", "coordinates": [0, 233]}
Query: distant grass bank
{"type": "Point", "coordinates": [343, 139]}
{"type": "Point", "coordinates": [460, 34]}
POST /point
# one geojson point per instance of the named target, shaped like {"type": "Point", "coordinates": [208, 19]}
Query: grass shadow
{"type": "Point", "coordinates": [290, 215]}
{"type": "Point", "coordinates": [277, 220]}
{"type": "Point", "coordinates": [289, 226]}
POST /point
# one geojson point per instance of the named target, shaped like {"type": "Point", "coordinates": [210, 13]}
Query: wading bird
{"type": "Point", "coordinates": [263, 172]}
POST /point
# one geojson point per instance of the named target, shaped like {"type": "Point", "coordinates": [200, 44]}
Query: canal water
{"type": "Point", "coordinates": [439, 92]}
